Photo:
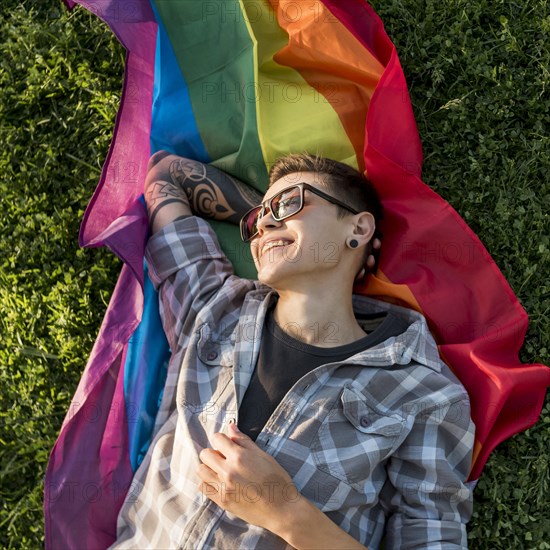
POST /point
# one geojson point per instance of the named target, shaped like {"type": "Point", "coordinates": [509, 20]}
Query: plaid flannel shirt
{"type": "Point", "coordinates": [381, 442]}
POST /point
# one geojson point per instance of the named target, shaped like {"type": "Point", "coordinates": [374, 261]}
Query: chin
{"type": "Point", "coordinates": [281, 278]}
{"type": "Point", "coordinates": [272, 275]}
{"type": "Point", "coordinates": [267, 277]}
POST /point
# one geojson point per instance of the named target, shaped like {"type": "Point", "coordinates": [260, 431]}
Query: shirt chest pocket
{"type": "Point", "coordinates": [210, 379]}
{"type": "Point", "coordinates": [215, 348]}
{"type": "Point", "coordinates": [355, 439]}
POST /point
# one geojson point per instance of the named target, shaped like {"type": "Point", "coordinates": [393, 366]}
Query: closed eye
{"type": "Point", "coordinates": [289, 202]}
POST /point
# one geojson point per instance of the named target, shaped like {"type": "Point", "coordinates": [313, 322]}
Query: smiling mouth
{"type": "Point", "coordinates": [275, 244]}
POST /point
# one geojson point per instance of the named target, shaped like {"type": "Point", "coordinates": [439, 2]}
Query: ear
{"type": "Point", "coordinates": [364, 227]}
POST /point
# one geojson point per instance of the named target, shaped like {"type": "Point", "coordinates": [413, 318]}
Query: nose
{"type": "Point", "coordinates": [267, 221]}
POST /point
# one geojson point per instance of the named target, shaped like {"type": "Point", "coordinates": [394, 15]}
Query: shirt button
{"type": "Point", "coordinates": [364, 421]}
{"type": "Point", "coordinates": [212, 355]}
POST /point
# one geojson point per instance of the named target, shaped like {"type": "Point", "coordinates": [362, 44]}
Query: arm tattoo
{"type": "Point", "coordinates": [161, 193]}
{"type": "Point", "coordinates": [211, 192]}
{"type": "Point", "coordinates": [156, 158]}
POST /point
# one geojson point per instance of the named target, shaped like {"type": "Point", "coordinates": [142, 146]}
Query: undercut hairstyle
{"type": "Point", "coordinates": [341, 181]}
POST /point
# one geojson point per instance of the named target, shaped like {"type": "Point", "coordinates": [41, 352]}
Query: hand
{"type": "Point", "coordinates": [372, 258]}
{"type": "Point", "coordinates": [244, 480]}
{"type": "Point", "coordinates": [376, 245]}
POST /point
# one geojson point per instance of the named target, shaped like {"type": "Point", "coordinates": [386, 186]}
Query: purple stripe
{"type": "Point", "coordinates": [89, 470]}
{"type": "Point", "coordinates": [123, 173]}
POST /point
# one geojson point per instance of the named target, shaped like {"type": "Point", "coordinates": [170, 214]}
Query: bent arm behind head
{"type": "Point", "coordinates": [176, 186]}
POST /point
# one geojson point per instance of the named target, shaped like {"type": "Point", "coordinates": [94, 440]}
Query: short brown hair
{"type": "Point", "coordinates": [341, 181]}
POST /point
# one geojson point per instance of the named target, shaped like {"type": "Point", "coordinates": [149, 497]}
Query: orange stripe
{"type": "Point", "coordinates": [477, 449]}
{"type": "Point", "coordinates": [332, 61]}
{"type": "Point", "coordinates": [379, 286]}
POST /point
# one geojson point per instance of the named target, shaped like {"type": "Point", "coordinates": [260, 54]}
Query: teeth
{"type": "Point", "coordinates": [273, 244]}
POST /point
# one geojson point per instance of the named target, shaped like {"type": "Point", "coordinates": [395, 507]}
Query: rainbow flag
{"type": "Point", "coordinates": [238, 84]}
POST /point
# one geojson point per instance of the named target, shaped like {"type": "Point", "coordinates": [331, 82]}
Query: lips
{"type": "Point", "coordinates": [274, 243]}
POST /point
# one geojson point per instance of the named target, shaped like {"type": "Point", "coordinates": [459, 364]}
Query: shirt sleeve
{"type": "Point", "coordinates": [187, 267]}
{"type": "Point", "coordinates": [426, 495]}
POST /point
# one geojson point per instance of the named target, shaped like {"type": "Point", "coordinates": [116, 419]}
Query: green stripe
{"type": "Point", "coordinates": [215, 55]}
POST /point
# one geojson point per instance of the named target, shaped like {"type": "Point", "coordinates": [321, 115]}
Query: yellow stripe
{"type": "Point", "coordinates": [291, 115]}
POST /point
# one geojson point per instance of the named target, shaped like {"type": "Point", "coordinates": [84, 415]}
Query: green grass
{"type": "Point", "coordinates": [478, 75]}
{"type": "Point", "coordinates": [60, 83]}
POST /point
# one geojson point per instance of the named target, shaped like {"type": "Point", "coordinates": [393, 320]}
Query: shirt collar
{"type": "Point", "coordinates": [414, 344]}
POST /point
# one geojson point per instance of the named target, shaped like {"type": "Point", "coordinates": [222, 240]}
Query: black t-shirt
{"type": "Point", "coordinates": [283, 360]}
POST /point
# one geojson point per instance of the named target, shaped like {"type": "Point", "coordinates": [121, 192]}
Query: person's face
{"type": "Point", "coordinates": [304, 246]}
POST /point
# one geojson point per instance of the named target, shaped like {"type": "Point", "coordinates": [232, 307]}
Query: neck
{"type": "Point", "coordinates": [321, 317]}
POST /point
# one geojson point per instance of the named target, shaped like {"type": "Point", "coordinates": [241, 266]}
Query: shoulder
{"type": "Point", "coordinates": [414, 389]}
{"type": "Point", "coordinates": [411, 378]}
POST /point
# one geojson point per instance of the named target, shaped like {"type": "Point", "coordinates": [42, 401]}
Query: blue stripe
{"type": "Point", "coordinates": [145, 371]}
{"type": "Point", "coordinates": [173, 128]}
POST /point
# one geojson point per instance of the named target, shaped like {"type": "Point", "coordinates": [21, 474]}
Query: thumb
{"type": "Point", "coordinates": [240, 438]}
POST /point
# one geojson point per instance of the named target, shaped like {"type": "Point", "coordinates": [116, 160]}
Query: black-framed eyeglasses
{"type": "Point", "coordinates": [284, 204]}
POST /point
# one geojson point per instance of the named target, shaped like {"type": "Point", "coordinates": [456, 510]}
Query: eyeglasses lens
{"type": "Point", "coordinates": [286, 203]}
{"type": "Point", "coordinates": [283, 205]}
{"type": "Point", "coordinates": [251, 223]}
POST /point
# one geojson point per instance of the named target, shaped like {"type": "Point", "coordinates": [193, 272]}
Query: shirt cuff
{"type": "Point", "coordinates": [179, 244]}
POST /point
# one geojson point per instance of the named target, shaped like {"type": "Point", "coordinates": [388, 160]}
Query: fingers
{"type": "Point", "coordinates": [209, 480]}
{"type": "Point", "coordinates": [207, 474]}
{"type": "Point", "coordinates": [211, 490]}
{"type": "Point", "coordinates": [225, 445]}
{"type": "Point", "coordinates": [213, 459]}
{"type": "Point", "coordinates": [240, 438]}
{"type": "Point", "coordinates": [376, 245]}
{"type": "Point", "coordinates": [226, 457]}
{"type": "Point", "coordinates": [215, 470]}
{"type": "Point", "coordinates": [361, 274]}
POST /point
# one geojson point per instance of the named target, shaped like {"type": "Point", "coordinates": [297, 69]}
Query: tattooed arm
{"type": "Point", "coordinates": [177, 186]}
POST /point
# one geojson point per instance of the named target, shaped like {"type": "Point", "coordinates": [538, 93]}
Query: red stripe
{"type": "Point", "coordinates": [361, 20]}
